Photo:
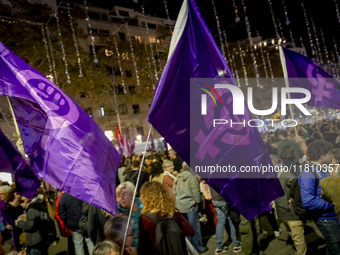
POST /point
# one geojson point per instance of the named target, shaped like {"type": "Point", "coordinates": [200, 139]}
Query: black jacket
{"type": "Point", "coordinates": [70, 211]}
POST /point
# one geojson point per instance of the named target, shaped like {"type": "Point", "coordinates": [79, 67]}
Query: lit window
{"type": "Point", "coordinates": [109, 134]}
{"type": "Point", "coordinates": [152, 39]}
{"type": "Point", "coordinates": [102, 111]}
{"type": "Point", "coordinates": [138, 38]}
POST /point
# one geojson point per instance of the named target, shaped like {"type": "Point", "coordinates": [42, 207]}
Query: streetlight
{"type": "Point", "coordinates": [109, 53]}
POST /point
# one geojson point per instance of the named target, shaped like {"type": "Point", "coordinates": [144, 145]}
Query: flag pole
{"type": "Point", "coordinates": [285, 75]}
{"type": "Point", "coordinates": [135, 191]}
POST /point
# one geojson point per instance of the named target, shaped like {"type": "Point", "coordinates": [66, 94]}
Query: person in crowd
{"type": "Point", "coordinates": [325, 218]}
{"type": "Point", "coordinates": [158, 206]}
{"type": "Point", "coordinates": [295, 224]}
{"type": "Point", "coordinates": [329, 136]}
{"type": "Point", "coordinates": [133, 175]}
{"type": "Point", "coordinates": [106, 248]}
{"type": "Point", "coordinates": [92, 223]}
{"type": "Point", "coordinates": [271, 147]}
{"type": "Point", "coordinates": [15, 210]}
{"type": "Point", "coordinates": [124, 196]}
{"type": "Point", "coordinates": [6, 221]}
{"type": "Point", "coordinates": [336, 162]}
{"type": "Point", "coordinates": [209, 207]}
{"type": "Point", "coordinates": [39, 228]}
{"type": "Point", "coordinates": [331, 193]}
{"type": "Point", "coordinates": [114, 230]}
{"type": "Point", "coordinates": [287, 157]}
{"type": "Point", "coordinates": [188, 196]}
{"type": "Point", "coordinates": [148, 161]}
{"type": "Point", "coordinates": [4, 191]}
{"type": "Point", "coordinates": [157, 174]}
{"type": "Point", "coordinates": [250, 236]}
{"type": "Point", "coordinates": [221, 208]}
{"type": "Point", "coordinates": [168, 167]}
{"type": "Point", "coordinates": [70, 212]}
{"type": "Point", "coordinates": [176, 160]}
{"type": "Point", "coordinates": [121, 169]}
{"type": "Point", "coordinates": [283, 136]}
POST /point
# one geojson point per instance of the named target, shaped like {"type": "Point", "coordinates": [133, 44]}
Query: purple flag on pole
{"type": "Point", "coordinates": [11, 161]}
{"type": "Point", "coordinates": [66, 147]}
{"type": "Point", "coordinates": [194, 54]}
{"type": "Point", "coordinates": [324, 88]}
{"type": "Point", "coordinates": [126, 146]}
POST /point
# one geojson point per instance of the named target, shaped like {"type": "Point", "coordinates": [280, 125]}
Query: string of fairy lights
{"type": "Point", "coordinates": [250, 38]}
{"type": "Point", "coordinates": [132, 54]}
{"type": "Point", "coordinates": [74, 39]}
{"type": "Point", "coordinates": [63, 50]}
{"type": "Point", "coordinates": [119, 64]}
{"type": "Point", "coordinates": [219, 29]}
{"type": "Point", "coordinates": [318, 51]}
{"type": "Point", "coordinates": [154, 64]}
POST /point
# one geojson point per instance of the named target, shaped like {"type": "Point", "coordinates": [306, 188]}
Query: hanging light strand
{"type": "Point", "coordinates": [74, 40]}
{"type": "Point", "coordinates": [158, 59]}
{"type": "Point", "coordinates": [280, 29]}
{"type": "Point", "coordinates": [150, 44]}
{"type": "Point", "coordinates": [308, 29]}
{"type": "Point", "coordinates": [219, 29]}
{"type": "Point", "coordinates": [263, 59]}
{"type": "Point", "coordinates": [251, 43]}
{"type": "Point", "coordinates": [273, 18]}
{"type": "Point", "coordinates": [242, 62]}
{"type": "Point", "coordinates": [292, 37]}
{"type": "Point", "coordinates": [270, 66]}
{"type": "Point", "coordinates": [325, 47]}
{"type": "Point", "coordinates": [236, 72]}
{"type": "Point", "coordinates": [90, 33]}
{"type": "Point", "coordinates": [286, 13]}
{"type": "Point", "coordinates": [132, 54]}
{"type": "Point", "coordinates": [333, 63]}
{"type": "Point", "coordinates": [337, 11]}
{"type": "Point", "coordinates": [52, 57]}
{"type": "Point", "coordinates": [63, 50]}
{"type": "Point", "coordinates": [301, 42]}
{"type": "Point", "coordinates": [336, 51]}
{"type": "Point", "coordinates": [167, 14]}
{"type": "Point", "coordinates": [237, 19]}
{"type": "Point", "coordinates": [149, 65]}
{"type": "Point", "coordinates": [120, 65]}
{"type": "Point", "coordinates": [318, 51]}
{"type": "Point", "coordinates": [46, 48]}
{"type": "Point", "coordinates": [230, 64]}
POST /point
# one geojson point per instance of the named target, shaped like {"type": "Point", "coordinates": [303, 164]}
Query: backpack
{"type": "Point", "coordinates": [132, 178]}
{"type": "Point", "coordinates": [297, 205]}
{"type": "Point", "coordinates": [169, 239]}
{"type": "Point", "coordinates": [64, 231]}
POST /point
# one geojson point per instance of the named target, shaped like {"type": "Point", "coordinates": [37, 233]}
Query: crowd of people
{"type": "Point", "coordinates": [172, 202]}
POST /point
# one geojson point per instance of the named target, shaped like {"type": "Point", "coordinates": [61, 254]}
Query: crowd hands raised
{"type": "Point", "coordinates": [171, 203]}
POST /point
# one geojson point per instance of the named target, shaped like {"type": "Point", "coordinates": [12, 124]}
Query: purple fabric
{"type": "Point", "coordinates": [11, 161]}
{"type": "Point", "coordinates": [127, 146]}
{"type": "Point", "coordinates": [196, 55]}
{"type": "Point", "coordinates": [324, 88]}
{"type": "Point", "coordinates": [70, 151]}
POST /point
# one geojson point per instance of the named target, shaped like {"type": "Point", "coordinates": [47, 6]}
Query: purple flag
{"type": "Point", "coordinates": [126, 146]}
{"type": "Point", "coordinates": [324, 88]}
{"type": "Point", "coordinates": [194, 54]}
{"type": "Point", "coordinates": [11, 161]}
{"type": "Point", "coordinates": [65, 146]}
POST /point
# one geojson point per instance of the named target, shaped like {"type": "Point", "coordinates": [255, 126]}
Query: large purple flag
{"type": "Point", "coordinates": [11, 161]}
{"type": "Point", "coordinates": [65, 146]}
{"type": "Point", "coordinates": [194, 54]}
{"type": "Point", "coordinates": [324, 88]}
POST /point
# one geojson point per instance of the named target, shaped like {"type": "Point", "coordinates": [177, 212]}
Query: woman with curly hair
{"type": "Point", "coordinates": [158, 205]}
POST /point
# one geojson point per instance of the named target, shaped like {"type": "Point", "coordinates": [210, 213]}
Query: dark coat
{"type": "Point", "coordinates": [70, 211]}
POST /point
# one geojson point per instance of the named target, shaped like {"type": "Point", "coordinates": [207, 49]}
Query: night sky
{"type": "Point", "coordinates": [258, 11]}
